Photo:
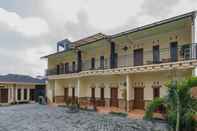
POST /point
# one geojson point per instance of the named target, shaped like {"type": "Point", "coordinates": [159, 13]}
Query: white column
{"type": "Point", "coordinates": [22, 94]}
{"type": "Point", "coordinates": [28, 94]}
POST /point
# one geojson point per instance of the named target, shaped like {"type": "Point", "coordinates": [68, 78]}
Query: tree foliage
{"type": "Point", "coordinates": [179, 104]}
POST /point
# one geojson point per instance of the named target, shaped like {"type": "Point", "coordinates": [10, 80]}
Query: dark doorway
{"type": "Point", "coordinates": [93, 63]}
{"type": "Point", "coordinates": [3, 95]}
{"type": "Point", "coordinates": [66, 94]}
{"type": "Point", "coordinates": [138, 57]}
{"type": "Point", "coordinates": [114, 97]}
{"type": "Point", "coordinates": [58, 69]}
{"type": "Point", "coordinates": [73, 94]}
{"type": "Point", "coordinates": [40, 91]}
{"type": "Point", "coordinates": [73, 66]}
{"type": "Point", "coordinates": [174, 51]}
{"type": "Point", "coordinates": [156, 92]}
{"type": "Point", "coordinates": [19, 94]}
{"type": "Point", "coordinates": [138, 98]}
{"type": "Point", "coordinates": [66, 67]}
{"type": "Point", "coordinates": [156, 54]}
{"type": "Point", "coordinates": [102, 60]}
{"type": "Point", "coordinates": [102, 97]}
{"type": "Point", "coordinates": [25, 94]}
{"type": "Point", "coordinates": [93, 96]}
{"type": "Point", "coordinates": [32, 94]}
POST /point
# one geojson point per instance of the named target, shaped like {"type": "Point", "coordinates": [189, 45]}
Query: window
{"type": "Point", "coordinates": [102, 93]}
{"type": "Point", "coordinates": [102, 62]}
{"type": "Point", "coordinates": [93, 63]}
{"type": "Point", "coordinates": [185, 52]}
{"type": "Point", "coordinates": [156, 54]}
{"type": "Point", "coordinates": [19, 94]}
{"type": "Point", "coordinates": [174, 51]}
{"type": "Point", "coordinates": [66, 67]}
{"type": "Point", "coordinates": [138, 57]}
{"type": "Point", "coordinates": [25, 94]}
{"type": "Point", "coordinates": [58, 69]}
{"type": "Point", "coordinates": [73, 66]}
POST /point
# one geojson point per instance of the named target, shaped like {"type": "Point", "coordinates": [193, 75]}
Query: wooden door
{"type": "Point", "coordinates": [156, 92]}
{"type": "Point", "coordinates": [3, 95]}
{"type": "Point", "coordinates": [93, 96]}
{"type": "Point", "coordinates": [73, 95]}
{"type": "Point", "coordinates": [114, 97]}
{"type": "Point", "coordinates": [138, 57]}
{"type": "Point", "coordinates": [65, 94]}
{"type": "Point", "coordinates": [32, 94]}
{"type": "Point", "coordinates": [102, 97]}
{"type": "Point", "coordinates": [174, 51]}
{"type": "Point", "coordinates": [138, 98]}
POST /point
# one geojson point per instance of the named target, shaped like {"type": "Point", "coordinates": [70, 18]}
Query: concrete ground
{"type": "Point", "coordinates": [34, 117]}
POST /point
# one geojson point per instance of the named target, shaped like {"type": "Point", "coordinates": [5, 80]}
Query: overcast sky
{"type": "Point", "coordinates": [30, 29]}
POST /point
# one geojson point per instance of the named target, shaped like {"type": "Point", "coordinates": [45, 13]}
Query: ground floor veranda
{"type": "Point", "coordinates": [16, 93]}
{"type": "Point", "coordinates": [125, 92]}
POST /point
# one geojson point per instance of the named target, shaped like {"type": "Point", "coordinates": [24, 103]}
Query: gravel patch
{"type": "Point", "coordinates": [34, 117]}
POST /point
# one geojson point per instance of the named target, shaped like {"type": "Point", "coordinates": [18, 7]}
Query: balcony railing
{"type": "Point", "coordinates": [181, 53]}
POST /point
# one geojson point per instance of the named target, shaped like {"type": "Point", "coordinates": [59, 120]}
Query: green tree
{"type": "Point", "coordinates": [179, 104]}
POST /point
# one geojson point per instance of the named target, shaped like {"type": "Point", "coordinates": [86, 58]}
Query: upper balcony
{"type": "Point", "coordinates": [139, 58]}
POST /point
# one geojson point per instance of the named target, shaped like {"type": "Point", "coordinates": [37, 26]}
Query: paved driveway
{"type": "Point", "coordinates": [33, 117]}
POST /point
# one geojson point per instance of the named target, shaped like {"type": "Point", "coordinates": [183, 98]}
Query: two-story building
{"type": "Point", "coordinates": [125, 70]}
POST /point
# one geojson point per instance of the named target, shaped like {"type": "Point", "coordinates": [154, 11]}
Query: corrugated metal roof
{"type": "Point", "coordinates": [193, 13]}
{"type": "Point", "coordinates": [100, 36]}
{"type": "Point", "coordinates": [16, 78]}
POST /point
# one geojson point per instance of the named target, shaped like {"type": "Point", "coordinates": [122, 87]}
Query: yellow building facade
{"type": "Point", "coordinates": [125, 70]}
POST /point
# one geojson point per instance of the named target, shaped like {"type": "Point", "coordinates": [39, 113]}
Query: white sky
{"type": "Point", "coordinates": [30, 29]}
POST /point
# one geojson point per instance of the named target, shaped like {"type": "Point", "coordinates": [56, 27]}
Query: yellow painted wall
{"type": "Point", "coordinates": [144, 39]}
{"type": "Point", "coordinates": [18, 86]}
{"type": "Point", "coordinates": [148, 80]}
{"type": "Point", "coordinates": [95, 49]}
{"type": "Point", "coordinates": [68, 56]}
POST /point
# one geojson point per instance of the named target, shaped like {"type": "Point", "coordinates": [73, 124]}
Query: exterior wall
{"type": "Point", "coordinates": [179, 31]}
{"type": "Point", "coordinates": [157, 78]}
{"type": "Point", "coordinates": [12, 92]}
{"type": "Point", "coordinates": [96, 49]}
{"type": "Point", "coordinates": [107, 82]}
{"type": "Point", "coordinates": [50, 90]}
{"type": "Point", "coordinates": [147, 38]}
{"type": "Point", "coordinates": [68, 56]}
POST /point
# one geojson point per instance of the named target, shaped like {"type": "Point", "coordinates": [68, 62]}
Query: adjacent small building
{"type": "Point", "coordinates": [16, 88]}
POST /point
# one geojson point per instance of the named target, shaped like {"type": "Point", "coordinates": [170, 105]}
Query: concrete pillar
{"type": "Point", "coordinates": [78, 89]}
{"type": "Point", "coordinates": [28, 94]}
{"type": "Point", "coordinates": [128, 84]}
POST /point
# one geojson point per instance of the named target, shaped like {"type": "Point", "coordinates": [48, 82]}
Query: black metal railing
{"type": "Point", "coordinates": [181, 53]}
